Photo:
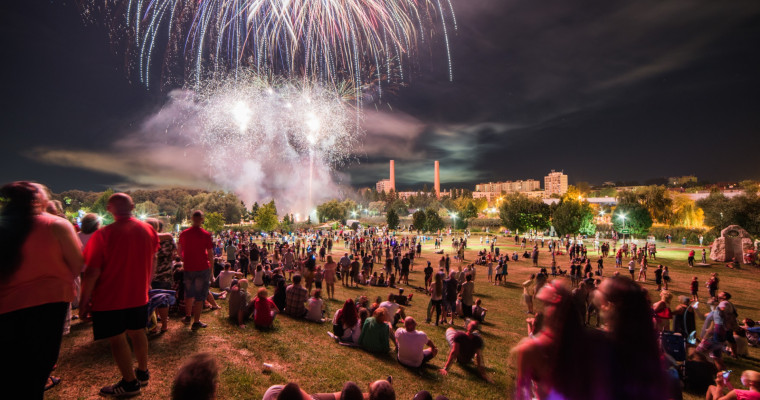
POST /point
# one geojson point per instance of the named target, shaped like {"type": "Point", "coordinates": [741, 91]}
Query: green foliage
{"type": "Point", "coordinates": [399, 207]}
{"type": "Point", "coordinates": [637, 219]}
{"type": "Point", "coordinates": [433, 221]}
{"type": "Point", "coordinates": [267, 217]}
{"type": "Point", "coordinates": [213, 222]}
{"type": "Point", "coordinates": [332, 210]}
{"type": "Point", "coordinates": [569, 216]}
{"type": "Point", "coordinates": [470, 211]}
{"type": "Point", "coordinates": [376, 207]}
{"type": "Point", "coordinates": [678, 232]}
{"type": "Point", "coordinates": [519, 212]}
{"type": "Point", "coordinates": [719, 210]}
{"type": "Point", "coordinates": [657, 202]}
{"type": "Point", "coordinates": [392, 219]}
{"type": "Point", "coordinates": [146, 209]}
{"type": "Point", "coordinates": [100, 207]}
{"type": "Point", "coordinates": [418, 220]}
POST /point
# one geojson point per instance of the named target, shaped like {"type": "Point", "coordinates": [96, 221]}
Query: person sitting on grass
{"type": "Point", "coordinates": [378, 390]}
{"type": "Point", "coordinates": [197, 379]}
{"type": "Point", "coordinates": [411, 345]}
{"type": "Point", "coordinates": [749, 378]}
{"type": "Point", "coordinates": [376, 332]}
{"type": "Point", "coordinates": [226, 278]}
{"type": "Point", "coordinates": [316, 307]}
{"type": "Point", "coordinates": [264, 310]}
{"type": "Point", "coordinates": [465, 346]}
{"type": "Point", "coordinates": [478, 312]}
{"type": "Point", "coordinates": [346, 324]}
{"type": "Point", "coordinates": [240, 305]}
{"type": "Point", "coordinates": [295, 297]}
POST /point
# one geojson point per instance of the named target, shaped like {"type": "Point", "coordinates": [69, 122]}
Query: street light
{"type": "Point", "coordinates": [622, 216]}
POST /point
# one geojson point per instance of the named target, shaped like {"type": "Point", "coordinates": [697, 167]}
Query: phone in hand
{"type": "Point", "coordinates": [726, 374]}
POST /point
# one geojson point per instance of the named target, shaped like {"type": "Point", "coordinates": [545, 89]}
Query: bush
{"type": "Point", "coordinates": [678, 232]}
{"type": "Point", "coordinates": [485, 222]}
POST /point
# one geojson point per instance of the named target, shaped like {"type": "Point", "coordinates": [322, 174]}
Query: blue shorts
{"type": "Point", "coordinates": [197, 284]}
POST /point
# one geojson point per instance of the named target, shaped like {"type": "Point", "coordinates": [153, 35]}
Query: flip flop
{"type": "Point", "coordinates": [52, 382]}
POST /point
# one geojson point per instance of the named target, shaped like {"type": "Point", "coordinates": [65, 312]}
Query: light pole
{"type": "Point", "coordinates": [622, 216]}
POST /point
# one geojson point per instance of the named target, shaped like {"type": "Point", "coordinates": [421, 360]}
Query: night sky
{"type": "Point", "coordinates": [604, 90]}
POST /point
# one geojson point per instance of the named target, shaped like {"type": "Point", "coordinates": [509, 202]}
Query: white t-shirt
{"type": "Point", "coordinates": [225, 279]}
{"type": "Point", "coordinates": [258, 278]}
{"type": "Point", "coordinates": [391, 307]}
{"type": "Point", "coordinates": [410, 346]}
{"type": "Point", "coordinates": [314, 309]}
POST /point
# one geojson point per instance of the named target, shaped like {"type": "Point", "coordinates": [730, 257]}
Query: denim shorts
{"type": "Point", "coordinates": [197, 284]}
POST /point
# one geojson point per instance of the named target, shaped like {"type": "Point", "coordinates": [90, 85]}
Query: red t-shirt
{"type": "Point", "coordinates": [263, 308]}
{"type": "Point", "coordinates": [123, 251]}
{"type": "Point", "coordinates": [196, 244]}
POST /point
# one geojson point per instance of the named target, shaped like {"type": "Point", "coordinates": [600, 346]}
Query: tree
{"type": "Point", "coordinates": [376, 207]}
{"type": "Point", "coordinates": [331, 210]}
{"type": "Point", "coordinates": [146, 209]}
{"type": "Point", "coordinates": [254, 210]}
{"type": "Point", "coordinates": [519, 212]}
{"type": "Point", "coordinates": [637, 218]}
{"type": "Point", "coordinates": [686, 213]}
{"type": "Point", "coordinates": [470, 211]}
{"type": "Point", "coordinates": [399, 207]}
{"type": "Point", "coordinates": [267, 217]}
{"type": "Point", "coordinates": [657, 202]}
{"type": "Point", "coordinates": [213, 222]}
{"type": "Point", "coordinates": [392, 219]}
{"type": "Point", "coordinates": [719, 211]}
{"type": "Point", "coordinates": [100, 206]}
{"type": "Point", "coordinates": [569, 215]}
{"type": "Point", "coordinates": [418, 220]}
{"type": "Point", "coordinates": [433, 221]}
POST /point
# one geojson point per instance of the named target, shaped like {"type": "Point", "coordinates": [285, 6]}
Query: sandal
{"type": "Point", "coordinates": [52, 381]}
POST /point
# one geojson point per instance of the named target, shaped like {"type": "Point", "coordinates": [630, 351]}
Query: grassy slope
{"type": "Point", "coordinates": [303, 352]}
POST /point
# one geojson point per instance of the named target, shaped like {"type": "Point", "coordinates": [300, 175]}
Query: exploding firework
{"type": "Point", "coordinates": [269, 138]}
{"type": "Point", "coordinates": [321, 40]}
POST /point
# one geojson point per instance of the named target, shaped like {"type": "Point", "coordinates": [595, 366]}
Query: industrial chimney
{"type": "Point", "coordinates": [437, 183]}
{"type": "Point", "coordinates": [393, 176]}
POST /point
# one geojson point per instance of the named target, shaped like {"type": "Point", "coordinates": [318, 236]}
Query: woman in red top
{"type": "Point", "coordinates": [41, 259]}
{"type": "Point", "coordinates": [662, 312]}
{"type": "Point", "coordinates": [265, 310]}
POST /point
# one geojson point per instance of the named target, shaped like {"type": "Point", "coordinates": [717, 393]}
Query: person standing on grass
{"type": "Point", "coordinates": [119, 261]}
{"type": "Point", "coordinates": [196, 248]}
{"type": "Point", "coordinates": [704, 256]}
{"type": "Point", "coordinates": [42, 257]}
{"type": "Point", "coordinates": [691, 258]}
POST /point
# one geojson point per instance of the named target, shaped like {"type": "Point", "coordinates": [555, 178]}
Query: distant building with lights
{"type": "Point", "coordinates": [492, 190]}
{"type": "Point", "coordinates": [555, 183]}
{"type": "Point", "coordinates": [384, 186]}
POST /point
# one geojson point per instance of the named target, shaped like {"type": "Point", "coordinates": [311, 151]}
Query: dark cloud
{"type": "Point", "coordinates": [606, 90]}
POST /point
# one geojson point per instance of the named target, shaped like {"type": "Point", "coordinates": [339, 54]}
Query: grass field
{"type": "Point", "coordinates": [304, 353]}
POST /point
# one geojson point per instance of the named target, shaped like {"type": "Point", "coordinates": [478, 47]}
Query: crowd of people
{"type": "Point", "coordinates": [125, 278]}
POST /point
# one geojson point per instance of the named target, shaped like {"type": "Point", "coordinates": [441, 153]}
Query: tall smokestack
{"type": "Point", "coordinates": [437, 180]}
{"type": "Point", "coordinates": [393, 176]}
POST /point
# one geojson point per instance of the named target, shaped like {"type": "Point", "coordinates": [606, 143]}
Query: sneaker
{"type": "Point", "coordinates": [142, 376]}
{"type": "Point", "coordinates": [122, 389]}
{"type": "Point", "coordinates": [198, 325]}
{"type": "Point", "coordinates": [186, 320]}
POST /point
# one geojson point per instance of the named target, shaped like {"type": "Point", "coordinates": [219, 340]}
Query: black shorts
{"type": "Point", "coordinates": [106, 324]}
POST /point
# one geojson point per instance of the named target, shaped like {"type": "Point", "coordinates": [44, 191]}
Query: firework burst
{"type": "Point", "coordinates": [321, 40]}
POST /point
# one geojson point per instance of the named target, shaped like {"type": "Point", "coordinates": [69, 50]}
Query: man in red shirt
{"type": "Point", "coordinates": [196, 248]}
{"type": "Point", "coordinates": [119, 260]}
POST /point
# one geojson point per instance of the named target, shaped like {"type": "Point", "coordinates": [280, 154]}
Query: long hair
{"type": "Point", "coordinates": [349, 315]}
{"type": "Point", "coordinates": [571, 344]}
{"type": "Point", "coordinates": [16, 220]}
{"type": "Point", "coordinates": [438, 288]}
{"type": "Point", "coordinates": [633, 338]}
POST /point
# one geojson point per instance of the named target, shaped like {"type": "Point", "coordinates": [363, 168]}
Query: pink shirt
{"type": "Point", "coordinates": [43, 276]}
